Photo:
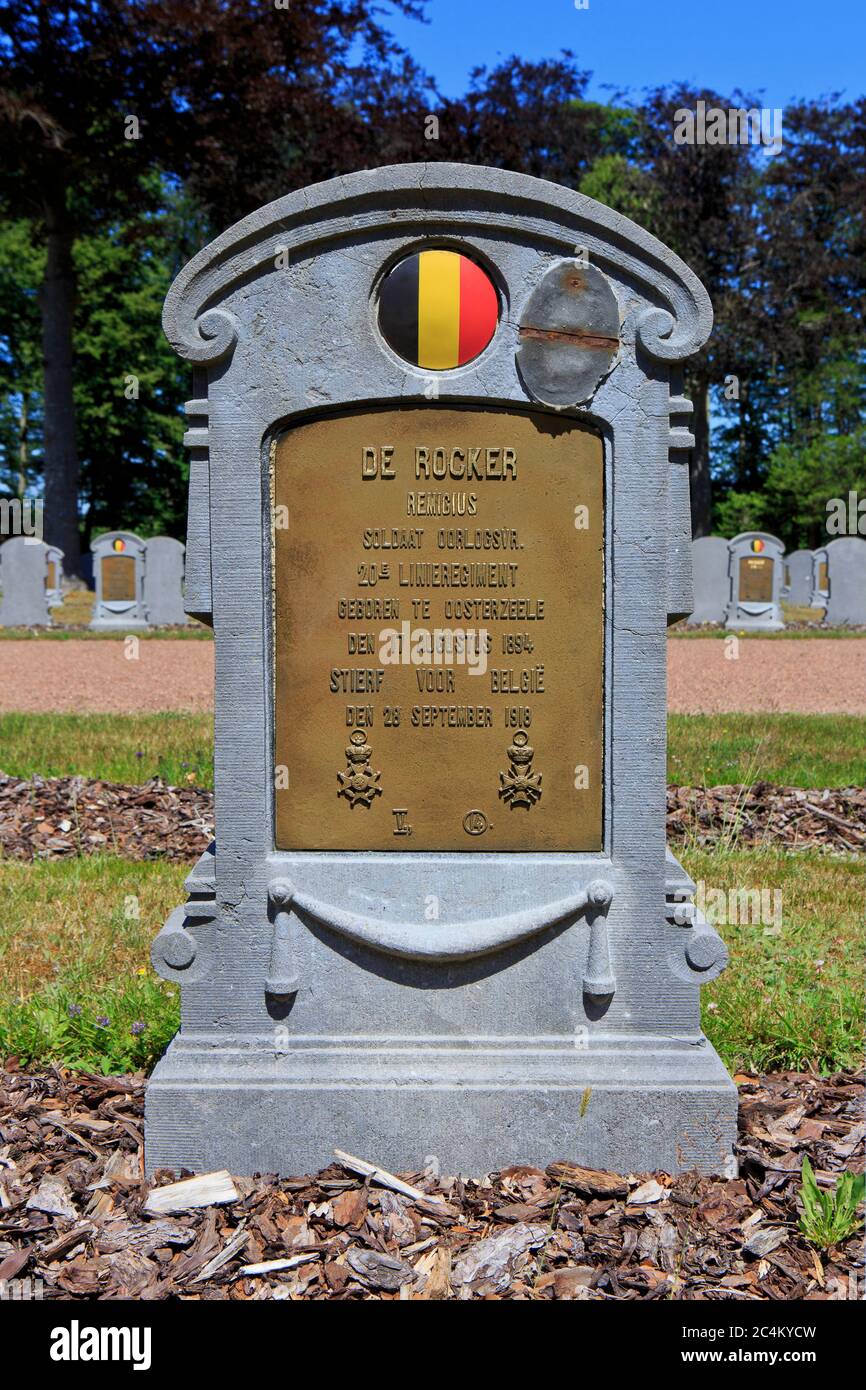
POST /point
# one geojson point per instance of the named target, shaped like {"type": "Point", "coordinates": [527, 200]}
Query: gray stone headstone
{"type": "Point", "coordinates": [54, 576]}
{"type": "Point", "coordinates": [24, 573]}
{"type": "Point", "coordinates": [118, 572]}
{"type": "Point", "coordinates": [797, 588]}
{"type": "Point", "coordinates": [163, 582]}
{"type": "Point", "coordinates": [710, 570]}
{"type": "Point", "coordinates": [846, 569]}
{"type": "Point", "coordinates": [756, 577]}
{"type": "Point", "coordinates": [820, 582]}
{"type": "Point", "coordinates": [439, 915]}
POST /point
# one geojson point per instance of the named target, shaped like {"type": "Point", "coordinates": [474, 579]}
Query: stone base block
{"type": "Point", "coordinates": [118, 624]}
{"type": "Point", "coordinates": [477, 1104]}
{"type": "Point", "coordinates": [770, 622]}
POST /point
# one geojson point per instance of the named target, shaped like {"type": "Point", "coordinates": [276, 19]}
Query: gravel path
{"type": "Point", "coordinates": [812, 675]}
{"type": "Point", "coordinates": [815, 675]}
{"type": "Point", "coordinates": [72, 677]}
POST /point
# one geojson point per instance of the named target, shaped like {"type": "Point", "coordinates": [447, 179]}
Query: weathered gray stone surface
{"type": "Point", "coordinates": [755, 615]}
{"type": "Point", "coordinates": [476, 1036]}
{"type": "Point", "coordinates": [798, 578]}
{"type": "Point", "coordinates": [163, 582]}
{"type": "Point", "coordinates": [22, 572]}
{"type": "Point", "coordinates": [124, 613]}
{"type": "Point", "coordinates": [846, 570]}
{"type": "Point", "coordinates": [710, 571]}
{"type": "Point", "coordinates": [820, 578]}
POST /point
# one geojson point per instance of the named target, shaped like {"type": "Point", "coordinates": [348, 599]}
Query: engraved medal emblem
{"type": "Point", "coordinates": [359, 783]}
{"type": "Point", "coordinates": [520, 786]}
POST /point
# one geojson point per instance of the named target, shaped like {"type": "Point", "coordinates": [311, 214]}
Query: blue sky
{"type": "Point", "coordinates": [785, 48]}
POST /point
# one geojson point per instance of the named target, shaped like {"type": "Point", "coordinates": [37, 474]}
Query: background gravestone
{"type": "Point", "coordinates": [846, 569]}
{"type": "Point", "coordinates": [118, 570]}
{"type": "Point", "coordinates": [820, 578]}
{"type": "Point", "coordinates": [163, 582]}
{"type": "Point", "coordinates": [439, 916]}
{"type": "Point", "coordinates": [756, 576]}
{"type": "Point", "coordinates": [24, 602]}
{"type": "Point", "coordinates": [710, 571]}
{"type": "Point", "coordinates": [798, 578]}
{"type": "Point", "coordinates": [53, 576]}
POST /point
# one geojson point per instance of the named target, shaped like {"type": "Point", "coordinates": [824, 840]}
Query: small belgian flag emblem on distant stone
{"type": "Point", "coordinates": [438, 309]}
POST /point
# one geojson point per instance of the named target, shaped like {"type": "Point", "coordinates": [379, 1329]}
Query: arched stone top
{"type": "Point", "coordinates": [738, 541]}
{"type": "Point", "coordinates": [675, 323]}
{"type": "Point", "coordinates": [134, 543]}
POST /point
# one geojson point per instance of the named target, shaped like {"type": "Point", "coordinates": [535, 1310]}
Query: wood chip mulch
{"type": "Point", "coordinates": [56, 817]}
{"type": "Point", "coordinates": [52, 818]}
{"type": "Point", "coordinates": [76, 1215]}
{"type": "Point", "coordinates": [832, 819]}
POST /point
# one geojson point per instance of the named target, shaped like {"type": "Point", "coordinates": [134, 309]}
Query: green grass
{"type": "Point", "coordinates": [76, 984]}
{"type": "Point", "coordinates": [73, 951]}
{"type": "Point", "coordinates": [831, 1217]}
{"type": "Point", "coordinates": [797, 750]}
{"type": "Point", "coordinates": [792, 996]}
{"type": "Point", "coordinates": [117, 748]}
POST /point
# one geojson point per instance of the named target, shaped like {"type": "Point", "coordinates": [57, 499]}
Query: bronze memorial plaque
{"type": "Point", "coordinates": [438, 629]}
{"type": "Point", "coordinates": [118, 579]}
{"type": "Point", "coordinates": [51, 575]}
{"type": "Point", "coordinates": [823, 580]}
{"type": "Point", "coordinates": [756, 579]}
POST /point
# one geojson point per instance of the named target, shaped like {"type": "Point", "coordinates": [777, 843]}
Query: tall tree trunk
{"type": "Point", "coordinates": [57, 300]}
{"type": "Point", "coordinates": [22, 444]}
{"type": "Point", "coordinates": [699, 468]}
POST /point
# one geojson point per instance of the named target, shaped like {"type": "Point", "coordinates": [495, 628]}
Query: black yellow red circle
{"type": "Point", "coordinates": [438, 309]}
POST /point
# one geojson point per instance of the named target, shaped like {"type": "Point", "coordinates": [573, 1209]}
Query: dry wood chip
{"type": "Point", "coordinates": [651, 1191]}
{"type": "Point", "coordinates": [54, 1198]}
{"type": "Point", "coordinates": [765, 1240]}
{"type": "Point", "coordinates": [589, 1181]}
{"type": "Point", "coordinates": [227, 1253]}
{"type": "Point", "coordinates": [434, 1272]}
{"type": "Point", "coordinates": [210, 1189]}
{"type": "Point", "coordinates": [489, 1266]}
{"type": "Point", "coordinates": [273, 1266]}
{"type": "Point", "coordinates": [350, 1207]}
{"type": "Point", "coordinates": [378, 1270]}
{"type": "Point", "coordinates": [568, 1282]}
{"type": "Point", "coordinates": [386, 1179]}
{"type": "Point", "coordinates": [13, 1264]}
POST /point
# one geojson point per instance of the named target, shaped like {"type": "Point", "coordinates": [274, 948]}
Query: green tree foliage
{"type": "Point", "coordinates": [129, 383]}
{"type": "Point", "coordinates": [794, 436]}
{"type": "Point", "coordinates": [800, 482]}
{"type": "Point", "coordinates": [22, 265]}
{"type": "Point", "coordinates": [241, 100]}
{"type": "Point", "coordinates": [237, 104]}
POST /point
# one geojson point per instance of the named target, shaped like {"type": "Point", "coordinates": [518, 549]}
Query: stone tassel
{"type": "Point", "coordinates": [282, 977]}
{"type": "Point", "coordinates": [599, 981]}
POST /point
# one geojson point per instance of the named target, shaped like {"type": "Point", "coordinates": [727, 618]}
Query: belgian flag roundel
{"type": "Point", "coordinates": [438, 309]}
